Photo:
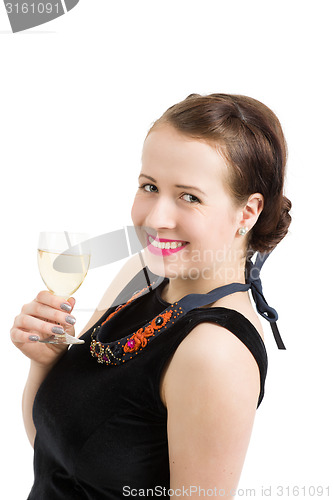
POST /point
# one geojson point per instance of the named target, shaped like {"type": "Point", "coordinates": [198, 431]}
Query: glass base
{"type": "Point", "coordinates": [61, 339]}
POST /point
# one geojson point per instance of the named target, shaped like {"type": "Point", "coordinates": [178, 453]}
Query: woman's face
{"type": "Point", "coordinates": [184, 216]}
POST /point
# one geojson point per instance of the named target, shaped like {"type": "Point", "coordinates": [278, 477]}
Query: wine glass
{"type": "Point", "coordinates": [63, 261]}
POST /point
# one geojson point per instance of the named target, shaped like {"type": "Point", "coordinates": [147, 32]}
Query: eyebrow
{"type": "Point", "coordinates": [176, 185]}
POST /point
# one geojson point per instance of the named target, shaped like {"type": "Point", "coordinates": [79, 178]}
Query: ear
{"type": "Point", "coordinates": [250, 213]}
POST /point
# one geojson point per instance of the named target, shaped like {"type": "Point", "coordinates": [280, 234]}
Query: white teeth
{"type": "Point", "coordinates": [165, 245]}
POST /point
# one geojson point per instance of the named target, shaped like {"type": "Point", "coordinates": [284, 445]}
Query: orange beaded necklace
{"type": "Point", "coordinates": [116, 353]}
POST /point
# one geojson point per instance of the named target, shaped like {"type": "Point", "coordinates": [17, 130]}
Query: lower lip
{"type": "Point", "coordinates": [163, 251]}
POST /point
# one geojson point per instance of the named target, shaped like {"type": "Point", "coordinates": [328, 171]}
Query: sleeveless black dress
{"type": "Point", "coordinates": [102, 430]}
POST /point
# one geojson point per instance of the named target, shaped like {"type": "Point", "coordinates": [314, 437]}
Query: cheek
{"type": "Point", "coordinates": [192, 224]}
{"type": "Point", "coordinates": [137, 212]}
{"type": "Point", "coordinates": [221, 229]}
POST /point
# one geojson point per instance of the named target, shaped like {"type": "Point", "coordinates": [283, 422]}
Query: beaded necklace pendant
{"type": "Point", "coordinates": [118, 352]}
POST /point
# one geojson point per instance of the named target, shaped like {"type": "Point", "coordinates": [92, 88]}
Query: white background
{"type": "Point", "coordinates": [77, 96]}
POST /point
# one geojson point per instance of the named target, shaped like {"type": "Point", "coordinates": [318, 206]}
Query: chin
{"type": "Point", "coordinates": [160, 266]}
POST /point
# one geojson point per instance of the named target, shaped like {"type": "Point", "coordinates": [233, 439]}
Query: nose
{"type": "Point", "coordinates": [162, 215]}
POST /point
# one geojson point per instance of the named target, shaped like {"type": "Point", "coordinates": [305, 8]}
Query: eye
{"type": "Point", "coordinates": [190, 198]}
{"type": "Point", "coordinates": [150, 188]}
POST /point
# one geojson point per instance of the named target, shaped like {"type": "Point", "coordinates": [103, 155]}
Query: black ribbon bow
{"type": "Point", "coordinates": [267, 312]}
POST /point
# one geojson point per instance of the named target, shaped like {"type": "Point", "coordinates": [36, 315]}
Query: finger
{"type": "Point", "coordinates": [46, 312]}
{"type": "Point", "coordinates": [20, 336]}
{"type": "Point", "coordinates": [71, 301]}
{"type": "Point", "coordinates": [30, 324]}
{"type": "Point", "coordinates": [48, 298]}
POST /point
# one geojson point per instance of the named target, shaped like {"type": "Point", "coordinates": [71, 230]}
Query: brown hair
{"type": "Point", "coordinates": [249, 136]}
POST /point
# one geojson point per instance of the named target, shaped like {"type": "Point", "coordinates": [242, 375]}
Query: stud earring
{"type": "Point", "coordinates": [243, 230]}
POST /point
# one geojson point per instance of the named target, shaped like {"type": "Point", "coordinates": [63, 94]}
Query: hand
{"type": "Point", "coordinates": [36, 320]}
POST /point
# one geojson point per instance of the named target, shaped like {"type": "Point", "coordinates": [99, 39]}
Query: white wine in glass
{"type": "Point", "coordinates": [63, 261]}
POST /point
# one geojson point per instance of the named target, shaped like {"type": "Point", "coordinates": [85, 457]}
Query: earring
{"type": "Point", "coordinates": [243, 230]}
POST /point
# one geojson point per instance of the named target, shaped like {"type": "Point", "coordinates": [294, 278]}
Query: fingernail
{"type": "Point", "coordinates": [58, 330]}
{"type": "Point", "coordinates": [71, 320]}
{"type": "Point", "coordinates": [65, 307]}
{"type": "Point", "coordinates": [34, 338]}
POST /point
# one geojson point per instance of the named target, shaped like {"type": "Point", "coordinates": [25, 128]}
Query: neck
{"type": "Point", "coordinates": [209, 278]}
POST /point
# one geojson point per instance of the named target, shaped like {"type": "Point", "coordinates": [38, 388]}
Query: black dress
{"type": "Point", "coordinates": [102, 430]}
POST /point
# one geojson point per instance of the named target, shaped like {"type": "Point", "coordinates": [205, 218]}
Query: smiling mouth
{"type": "Point", "coordinates": [166, 244]}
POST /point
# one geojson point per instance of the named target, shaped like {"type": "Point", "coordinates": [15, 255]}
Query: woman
{"type": "Point", "coordinates": [161, 398]}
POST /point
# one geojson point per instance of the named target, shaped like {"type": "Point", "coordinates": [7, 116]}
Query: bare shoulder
{"type": "Point", "coordinates": [210, 388]}
{"type": "Point", "coordinates": [212, 353]}
{"type": "Point", "coordinates": [241, 303]}
{"type": "Point", "coordinates": [131, 267]}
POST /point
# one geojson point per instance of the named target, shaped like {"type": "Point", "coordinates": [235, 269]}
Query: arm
{"type": "Point", "coordinates": [37, 318]}
{"type": "Point", "coordinates": [211, 389]}
{"type": "Point", "coordinates": [36, 376]}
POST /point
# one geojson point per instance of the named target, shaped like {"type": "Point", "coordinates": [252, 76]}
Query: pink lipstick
{"type": "Point", "coordinates": [164, 247]}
